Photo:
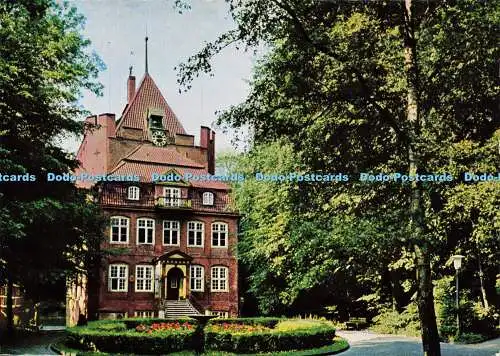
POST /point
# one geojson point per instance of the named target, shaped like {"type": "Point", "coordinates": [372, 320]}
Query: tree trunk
{"type": "Point", "coordinates": [481, 281]}
{"type": "Point", "coordinates": [425, 298]}
{"type": "Point", "coordinates": [10, 309]}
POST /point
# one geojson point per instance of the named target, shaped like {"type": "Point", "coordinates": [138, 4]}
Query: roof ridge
{"type": "Point", "coordinates": [132, 152]}
{"type": "Point", "coordinates": [129, 104]}
{"type": "Point", "coordinates": [118, 165]}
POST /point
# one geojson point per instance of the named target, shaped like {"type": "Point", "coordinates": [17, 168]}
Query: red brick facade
{"type": "Point", "coordinates": [158, 258]}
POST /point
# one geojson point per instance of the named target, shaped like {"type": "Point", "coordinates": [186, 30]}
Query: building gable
{"type": "Point", "coordinates": [148, 98]}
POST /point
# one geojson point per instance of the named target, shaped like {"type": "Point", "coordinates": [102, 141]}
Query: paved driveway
{"type": "Point", "coordinates": [36, 344]}
{"type": "Point", "coordinates": [364, 343]}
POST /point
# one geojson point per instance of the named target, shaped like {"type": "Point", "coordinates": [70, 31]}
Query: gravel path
{"type": "Point", "coordinates": [365, 343]}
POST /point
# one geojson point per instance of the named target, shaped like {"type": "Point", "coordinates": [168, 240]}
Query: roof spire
{"type": "Point", "coordinates": [146, 42]}
{"type": "Point", "coordinates": [130, 70]}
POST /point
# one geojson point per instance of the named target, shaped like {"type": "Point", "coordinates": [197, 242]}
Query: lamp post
{"type": "Point", "coordinates": [457, 263]}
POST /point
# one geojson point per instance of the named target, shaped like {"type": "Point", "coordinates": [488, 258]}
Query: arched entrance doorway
{"type": "Point", "coordinates": [174, 283]}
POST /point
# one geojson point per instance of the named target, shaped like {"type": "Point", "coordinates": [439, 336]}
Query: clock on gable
{"type": "Point", "coordinates": [157, 133]}
{"type": "Point", "coordinates": [159, 138]}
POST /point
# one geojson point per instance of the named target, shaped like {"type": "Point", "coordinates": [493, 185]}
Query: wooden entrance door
{"type": "Point", "coordinates": [174, 279]}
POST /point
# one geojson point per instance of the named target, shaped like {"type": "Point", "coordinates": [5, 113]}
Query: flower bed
{"type": "Point", "coordinates": [267, 335]}
{"type": "Point", "coordinates": [160, 336]}
{"type": "Point", "coordinates": [163, 327]}
{"type": "Point", "coordinates": [135, 336]}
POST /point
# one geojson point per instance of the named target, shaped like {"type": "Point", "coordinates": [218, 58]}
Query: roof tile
{"type": "Point", "coordinates": [148, 96]}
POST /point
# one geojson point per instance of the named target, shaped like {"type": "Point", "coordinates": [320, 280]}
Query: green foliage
{"type": "Point", "coordinates": [45, 64]}
{"type": "Point", "coordinates": [334, 86]}
{"type": "Point", "coordinates": [263, 321]}
{"type": "Point", "coordinates": [474, 318]}
{"type": "Point", "coordinates": [113, 337]}
{"type": "Point", "coordinates": [302, 335]}
{"type": "Point", "coordinates": [120, 336]}
{"type": "Point", "coordinates": [393, 322]}
{"type": "Point", "coordinates": [470, 338]}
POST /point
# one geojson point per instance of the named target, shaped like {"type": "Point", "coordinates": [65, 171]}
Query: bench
{"type": "Point", "coordinates": [356, 323]}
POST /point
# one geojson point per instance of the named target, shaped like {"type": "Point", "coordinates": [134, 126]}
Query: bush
{"type": "Point", "coordinates": [392, 322]}
{"type": "Point", "coordinates": [302, 335]}
{"type": "Point", "coordinates": [268, 322]}
{"type": "Point", "coordinates": [470, 338]}
{"type": "Point", "coordinates": [120, 336]}
{"type": "Point", "coordinates": [474, 318]}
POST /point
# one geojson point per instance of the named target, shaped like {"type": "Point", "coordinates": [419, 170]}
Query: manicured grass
{"type": "Point", "coordinates": [338, 345]}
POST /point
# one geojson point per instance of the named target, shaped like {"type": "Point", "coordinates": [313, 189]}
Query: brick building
{"type": "Point", "coordinates": [178, 237]}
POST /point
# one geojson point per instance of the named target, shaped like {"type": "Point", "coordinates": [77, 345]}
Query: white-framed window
{"type": "Point", "coordinates": [219, 314]}
{"type": "Point", "coordinates": [172, 196]}
{"type": "Point", "coordinates": [119, 229]}
{"type": "Point", "coordinates": [197, 277]}
{"type": "Point", "coordinates": [219, 279]}
{"type": "Point", "coordinates": [195, 232]}
{"type": "Point", "coordinates": [208, 198]}
{"type": "Point", "coordinates": [143, 278]}
{"type": "Point", "coordinates": [118, 277]}
{"type": "Point", "coordinates": [145, 231]}
{"type": "Point", "coordinates": [219, 234]}
{"type": "Point", "coordinates": [144, 314]}
{"type": "Point", "coordinates": [133, 193]}
{"type": "Point", "coordinates": [171, 232]}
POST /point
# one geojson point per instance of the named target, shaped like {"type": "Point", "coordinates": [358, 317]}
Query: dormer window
{"type": "Point", "coordinates": [133, 193]}
{"type": "Point", "coordinates": [208, 198]}
{"type": "Point", "coordinates": [156, 122]}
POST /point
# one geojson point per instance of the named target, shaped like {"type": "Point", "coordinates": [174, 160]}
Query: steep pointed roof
{"type": "Point", "coordinates": [148, 96]}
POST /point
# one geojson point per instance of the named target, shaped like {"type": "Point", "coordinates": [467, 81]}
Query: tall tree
{"type": "Point", "coordinates": [46, 228]}
{"type": "Point", "coordinates": [367, 87]}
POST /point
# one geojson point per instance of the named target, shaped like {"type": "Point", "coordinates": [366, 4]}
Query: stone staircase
{"type": "Point", "coordinates": [180, 309]}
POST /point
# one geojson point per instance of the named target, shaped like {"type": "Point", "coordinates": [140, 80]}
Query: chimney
{"type": "Point", "coordinates": [211, 154]}
{"type": "Point", "coordinates": [204, 137]}
{"type": "Point", "coordinates": [130, 88]}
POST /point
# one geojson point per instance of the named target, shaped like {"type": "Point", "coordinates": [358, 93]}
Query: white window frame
{"type": "Point", "coordinates": [175, 198]}
{"type": "Point", "coordinates": [133, 193]}
{"type": "Point", "coordinates": [146, 229]}
{"type": "Point", "coordinates": [195, 230]}
{"type": "Point", "coordinates": [216, 279]}
{"type": "Point", "coordinates": [169, 232]}
{"type": "Point", "coordinates": [220, 314]}
{"type": "Point", "coordinates": [120, 267]}
{"type": "Point", "coordinates": [144, 314]}
{"type": "Point", "coordinates": [208, 198]}
{"type": "Point", "coordinates": [193, 278]}
{"type": "Point", "coordinates": [144, 279]}
{"type": "Point", "coordinates": [217, 234]}
{"type": "Point", "coordinates": [120, 226]}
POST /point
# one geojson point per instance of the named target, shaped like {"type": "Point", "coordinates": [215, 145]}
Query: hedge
{"type": "Point", "coordinates": [120, 336]}
{"type": "Point", "coordinates": [269, 341]}
{"type": "Point", "coordinates": [264, 321]}
{"type": "Point", "coordinates": [101, 336]}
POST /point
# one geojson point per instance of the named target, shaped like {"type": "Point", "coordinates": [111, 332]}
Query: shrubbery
{"type": "Point", "coordinates": [476, 322]}
{"type": "Point", "coordinates": [304, 335]}
{"type": "Point", "coordinates": [392, 322]}
{"type": "Point", "coordinates": [121, 337]}
{"type": "Point", "coordinates": [160, 336]}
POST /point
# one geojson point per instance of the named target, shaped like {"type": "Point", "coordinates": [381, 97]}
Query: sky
{"type": "Point", "coordinates": [117, 29]}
